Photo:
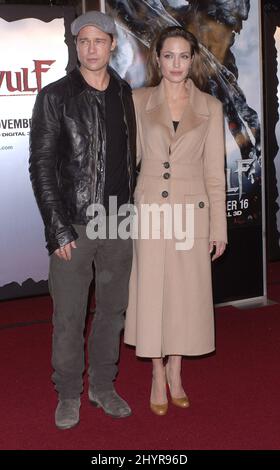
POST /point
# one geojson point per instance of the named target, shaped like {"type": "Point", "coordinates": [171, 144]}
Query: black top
{"type": "Point", "coordinates": [116, 174]}
{"type": "Point", "coordinates": [175, 124]}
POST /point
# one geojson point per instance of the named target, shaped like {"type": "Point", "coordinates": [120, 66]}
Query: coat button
{"type": "Point", "coordinates": [164, 193]}
{"type": "Point", "coordinates": [166, 164]}
{"type": "Point", "coordinates": [201, 204]}
{"type": "Point", "coordinates": [166, 176]}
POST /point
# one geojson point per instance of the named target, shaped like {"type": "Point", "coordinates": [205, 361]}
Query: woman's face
{"type": "Point", "coordinates": [175, 59]}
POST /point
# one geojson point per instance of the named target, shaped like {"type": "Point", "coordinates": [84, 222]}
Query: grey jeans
{"type": "Point", "coordinates": [69, 285]}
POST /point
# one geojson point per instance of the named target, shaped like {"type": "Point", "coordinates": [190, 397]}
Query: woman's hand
{"type": "Point", "coordinates": [220, 248]}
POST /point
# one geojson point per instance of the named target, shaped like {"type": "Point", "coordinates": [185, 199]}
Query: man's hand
{"type": "Point", "coordinates": [220, 248]}
{"type": "Point", "coordinates": [64, 252]}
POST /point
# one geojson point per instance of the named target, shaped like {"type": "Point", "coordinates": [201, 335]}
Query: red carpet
{"type": "Point", "coordinates": [234, 393]}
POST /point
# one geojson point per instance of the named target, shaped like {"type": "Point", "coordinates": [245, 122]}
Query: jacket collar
{"type": "Point", "coordinates": [79, 84]}
{"type": "Point", "coordinates": [195, 113]}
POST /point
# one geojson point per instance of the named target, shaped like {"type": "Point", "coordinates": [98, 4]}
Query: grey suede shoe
{"type": "Point", "coordinates": [67, 413]}
{"type": "Point", "coordinates": [112, 404]}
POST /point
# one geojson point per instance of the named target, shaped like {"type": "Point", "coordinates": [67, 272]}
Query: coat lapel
{"type": "Point", "coordinates": [158, 109]}
{"type": "Point", "coordinates": [195, 113]}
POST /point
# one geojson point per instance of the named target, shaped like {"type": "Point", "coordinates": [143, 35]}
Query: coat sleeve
{"type": "Point", "coordinates": [214, 174]}
{"type": "Point", "coordinates": [44, 136]}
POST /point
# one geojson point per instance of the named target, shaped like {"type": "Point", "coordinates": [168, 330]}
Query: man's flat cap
{"type": "Point", "coordinates": [100, 20]}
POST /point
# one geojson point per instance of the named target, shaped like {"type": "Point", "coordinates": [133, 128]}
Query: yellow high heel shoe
{"type": "Point", "coordinates": [159, 410]}
{"type": "Point", "coordinates": [182, 402]}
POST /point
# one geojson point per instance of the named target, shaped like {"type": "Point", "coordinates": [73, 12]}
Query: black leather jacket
{"type": "Point", "coordinates": [67, 152]}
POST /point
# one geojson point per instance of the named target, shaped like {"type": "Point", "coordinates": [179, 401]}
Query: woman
{"type": "Point", "coordinates": [181, 147]}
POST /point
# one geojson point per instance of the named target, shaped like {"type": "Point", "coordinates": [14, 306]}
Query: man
{"type": "Point", "coordinates": [82, 150]}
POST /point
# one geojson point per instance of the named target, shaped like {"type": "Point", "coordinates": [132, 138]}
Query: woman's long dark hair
{"type": "Point", "coordinates": [153, 71]}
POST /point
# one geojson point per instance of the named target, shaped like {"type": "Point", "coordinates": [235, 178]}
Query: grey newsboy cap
{"type": "Point", "coordinates": [100, 20]}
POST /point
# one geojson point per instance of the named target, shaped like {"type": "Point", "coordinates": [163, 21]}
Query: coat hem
{"type": "Point", "coordinates": [170, 353]}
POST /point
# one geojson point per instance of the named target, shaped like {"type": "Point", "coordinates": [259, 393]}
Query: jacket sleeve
{"type": "Point", "coordinates": [44, 137]}
{"type": "Point", "coordinates": [214, 174]}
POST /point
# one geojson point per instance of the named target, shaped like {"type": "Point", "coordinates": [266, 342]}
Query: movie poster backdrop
{"type": "Point", "coordinates": [229, 36]}
{"type": "Point", "coordinates": [37, 41]}
{"type": "Point", "coordinates": [41, 50]}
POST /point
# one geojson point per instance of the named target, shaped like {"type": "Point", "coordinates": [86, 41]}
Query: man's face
{"type": "Point", "coordinates": [94, 48]}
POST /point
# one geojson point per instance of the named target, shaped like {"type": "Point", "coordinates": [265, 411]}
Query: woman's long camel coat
{"type": "Point", "coordinates": [170, 307]}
